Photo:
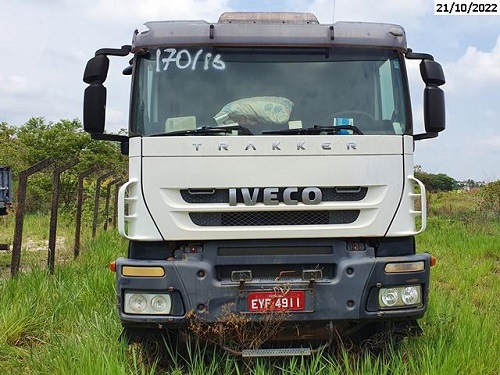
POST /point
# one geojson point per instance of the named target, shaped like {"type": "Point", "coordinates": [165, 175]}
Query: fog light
{"type": "Point", "coordinates": [389, 297]}
{"type": "Point", "coordinates": [160, 304]}
{"type": "Point", "coordinates": [410, 295]}
{"type": "Point", "coordinates": [137, 303]}
{"type": "Point", "coordinates": [400, 296]}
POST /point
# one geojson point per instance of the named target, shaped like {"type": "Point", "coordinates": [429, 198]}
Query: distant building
{"type": "Point", "coordinates": [469, 184]}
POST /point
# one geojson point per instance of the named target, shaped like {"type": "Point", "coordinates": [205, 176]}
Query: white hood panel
{"type": "Point", "coordinates": [174, 164]}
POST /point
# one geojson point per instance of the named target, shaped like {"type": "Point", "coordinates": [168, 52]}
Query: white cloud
{"type": "Point", "coordinates": [491, 143]}
{"type": "Point", "coordinates": [18, 86]}
{"type": "Point", "coordinates": [474, 70]}
{"type": "Point", "coordinates": [116, 119]}
{"type": "Point", "coordinates": [405, 12]}
{"type": "Point", "coordinates": [132, 12]}
{"type": "Point", "coordinates": [23, 98]}
{"type": "Point", "coordinates": [488, 113]}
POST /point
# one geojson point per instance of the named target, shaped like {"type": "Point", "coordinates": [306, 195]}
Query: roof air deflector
{"type": "Point", "coordinates": [269, 18]}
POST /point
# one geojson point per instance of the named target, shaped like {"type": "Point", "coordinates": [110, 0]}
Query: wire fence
{"type": "Point", "coordinates": [108, 179]}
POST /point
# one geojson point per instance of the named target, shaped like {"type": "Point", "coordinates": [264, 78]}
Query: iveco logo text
{"type": "Point", "coordinates": [273, 196]}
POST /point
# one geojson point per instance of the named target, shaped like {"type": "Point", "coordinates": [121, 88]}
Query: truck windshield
{"type": "Point", "coordinates": [253, 91]}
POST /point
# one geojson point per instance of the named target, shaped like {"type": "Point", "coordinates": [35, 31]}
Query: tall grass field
{"type": "Point", "coordinates": [66, 323]}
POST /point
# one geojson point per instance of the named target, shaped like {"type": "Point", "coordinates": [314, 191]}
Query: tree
{"type": "Point", "coordinates": [435, 182]}
{"type": "Point", "coordinates": [9, 146]}
{"type": "Point", "coordinates": [63, 141]}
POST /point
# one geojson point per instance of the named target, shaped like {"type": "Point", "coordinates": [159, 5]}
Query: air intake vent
{"type": "Point", "coordinates": [237, 219]}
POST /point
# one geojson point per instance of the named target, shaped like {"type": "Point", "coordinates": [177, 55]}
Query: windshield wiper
{"type": "Point", "coordinates": [316, 129]}
{"type": "Point", "coordinates": [207, 130]}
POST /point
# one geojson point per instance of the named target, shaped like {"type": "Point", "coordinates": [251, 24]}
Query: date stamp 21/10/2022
{"type": "Point", "coordinates": [466, 7]}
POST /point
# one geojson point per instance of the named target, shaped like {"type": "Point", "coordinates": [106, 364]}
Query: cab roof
{"type": "Point", "coordinates": [278, 29]}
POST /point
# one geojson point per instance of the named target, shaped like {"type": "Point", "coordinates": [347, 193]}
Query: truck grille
{"type": "Point", "coordinates": [329, 194]}
{"type": "Point", "coordinates": [237, 219]}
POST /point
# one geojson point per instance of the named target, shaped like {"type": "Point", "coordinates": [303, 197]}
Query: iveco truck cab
{"type": "Point", "coordinates": [270, 179]}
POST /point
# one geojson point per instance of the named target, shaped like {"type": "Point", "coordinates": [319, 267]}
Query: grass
{"type": "Point", "coordinates": [66, 323]}
{"type": "Point", "coordinates": [34, 248]}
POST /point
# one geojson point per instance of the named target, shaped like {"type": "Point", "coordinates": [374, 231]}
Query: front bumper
{"type": "Point", "coordinates": [349, 292]}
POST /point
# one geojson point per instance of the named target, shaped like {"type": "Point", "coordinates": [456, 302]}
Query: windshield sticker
{"type": "Point", "coordinates": [184, 59]}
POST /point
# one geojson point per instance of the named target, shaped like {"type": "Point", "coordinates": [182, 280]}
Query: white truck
{"type": "Point", "coordinates": [270, 174]}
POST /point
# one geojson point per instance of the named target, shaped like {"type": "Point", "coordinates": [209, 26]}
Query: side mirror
{"type": "Point", "coordinates": [432, 72]}
{"type": "Point", "coordinates": [434, 103]}
{"type": "Point", "coordinates": [94, 108]}
{"type": "Point", "coordinates": [434, 109]}
{"type": "Point", "coordinates": [96, 69]}
{"type": "Point", "coordinates": [94, 99]}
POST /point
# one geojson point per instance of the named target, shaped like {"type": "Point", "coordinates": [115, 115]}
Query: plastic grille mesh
{"type": "Point", "coordinates": [236, 219]}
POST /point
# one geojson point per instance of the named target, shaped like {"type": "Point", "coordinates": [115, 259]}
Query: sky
{"type": "Point", "coordinates": [46, 44]}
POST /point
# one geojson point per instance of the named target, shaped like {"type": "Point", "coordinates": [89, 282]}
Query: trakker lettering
{"type": "Point", "coordinates": [275, 146]}
{"type": "Point", "coordinates": [272, 196]}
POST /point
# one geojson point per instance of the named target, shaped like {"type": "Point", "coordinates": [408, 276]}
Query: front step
{"type": "Point", "coordinates": [284, 352]}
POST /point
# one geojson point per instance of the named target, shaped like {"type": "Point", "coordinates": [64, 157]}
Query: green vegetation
{"type": "Point", "coordinates": [66, 323]}
{"type": "Point", "coordinates": [62, 141]}
{"type": "Point", "coordinates": [63, 324]}
{"type": "Point", "coordinates": [35, 240]}
{"type": "Point", "coordinates": [435, 182]}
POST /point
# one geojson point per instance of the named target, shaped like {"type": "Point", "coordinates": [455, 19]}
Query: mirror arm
{"type": "Point", "coordinates": [109, 137]}
{"type": "Point", "coordinates": [419, 137]}
{"type": "Point", "coordinates": [418, 56]}
{"type": "Point", "coordinates": [123, 139]}
{"type": "Point", "coordinates": [124, 51]}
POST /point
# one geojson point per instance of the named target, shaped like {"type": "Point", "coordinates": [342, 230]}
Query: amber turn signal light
{"type": "Point", "coordinates": [433, 260]}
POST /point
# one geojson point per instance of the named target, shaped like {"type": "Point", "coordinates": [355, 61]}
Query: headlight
{"type": "Point", "coordinates": [160, 304]}
{"type": "Point", "coordinates": [147, 303]}
{"type": "Point", "coordinates": [137, 303]}
{"type": "Point", "coordinates": [410, 295]}
{"type": "Point", "coordinates": [389, 297]}
{"type": "Point", "coordinates": [402, 296]}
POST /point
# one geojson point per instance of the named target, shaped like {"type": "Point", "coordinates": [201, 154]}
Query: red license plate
{"type": "Point", "coordinates": [293, 300]}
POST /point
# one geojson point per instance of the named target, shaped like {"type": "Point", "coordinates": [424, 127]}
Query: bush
{"type": "Point", "coordinates": [62, 141]}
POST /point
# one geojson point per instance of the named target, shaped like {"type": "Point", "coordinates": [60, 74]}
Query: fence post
{"type": "Point", "coordinates": [79, 204]}
{"type": "Point", "coordinates": [96, 201]}
{"type": "Point", "coordinates": [20, 208]}
{"type": "Point", "coordinates": [56, 187]}
{"type": "Point", "coordinates": [108, 193]}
